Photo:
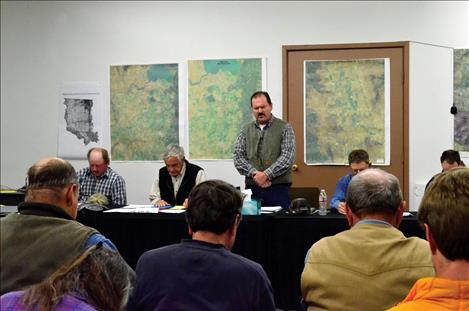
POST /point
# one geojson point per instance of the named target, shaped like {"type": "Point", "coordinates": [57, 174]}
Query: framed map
{"type": "Point", "coordinates": [346, 107]}
{"type": "Point", "coordinates": [461, 99]}
{"type": "Point", "coordinates": [144, 110]}
{"type": "Point", "coordinates": [219, 92]}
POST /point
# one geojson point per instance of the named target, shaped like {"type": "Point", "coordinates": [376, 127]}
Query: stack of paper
{"type": "Point", "coordinates": [270, 209]}
{"type": "Point", "coordinates": [174, 210]}
{"type": "Point", "coordinates": [135, 209]}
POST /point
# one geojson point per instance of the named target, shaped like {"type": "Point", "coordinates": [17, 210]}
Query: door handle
{"type": "Point", "coordinates": [294, 167]}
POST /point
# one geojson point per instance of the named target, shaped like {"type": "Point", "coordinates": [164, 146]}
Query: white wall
{"type": "Point", "coordinates": [431, 124]}
{"type": "Point", "coordinates": [46, 43]}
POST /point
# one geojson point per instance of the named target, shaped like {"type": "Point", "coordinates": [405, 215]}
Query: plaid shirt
{"type": "Point", "coordinates": [110, 184]}
{"type": "Point", "coordinates": [280, 166]}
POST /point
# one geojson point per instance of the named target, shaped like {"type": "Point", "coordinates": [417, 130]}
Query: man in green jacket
{"type": "Point", "coordinates": [44, 235]}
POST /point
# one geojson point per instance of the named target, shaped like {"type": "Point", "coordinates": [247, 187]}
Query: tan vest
{"type": "Point", "coordinates": [369, 267]}
{"type": "Point", "coordinates": [33, 247]}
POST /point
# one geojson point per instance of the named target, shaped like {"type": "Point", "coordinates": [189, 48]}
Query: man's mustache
{"type": "Point", "coordinates": [260, 114]}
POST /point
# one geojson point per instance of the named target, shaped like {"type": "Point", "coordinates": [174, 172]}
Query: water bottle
{"type": "Point", "coordinates": [322, 203]}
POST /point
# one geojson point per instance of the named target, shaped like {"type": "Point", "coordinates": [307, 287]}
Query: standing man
{"type": "Point", "coordinates": [444, 213]}
{"type": "Point", "coordinates": [264, 153]}
{"type": "Point", "coordinates": [176, 179]}
{"type": "Point", "coordinates": [373, 265]}
{"type": "Point", "coordinates": [100, 180]}
{"type": "Point", "coordinates": [358, 160]}
{"type": "Point", "coordinates": [44, 235]}
{"type": "Point", "coordinates": [202, 273]}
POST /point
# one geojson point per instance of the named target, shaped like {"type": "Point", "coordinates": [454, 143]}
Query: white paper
{"type": "Point", "coordinates": [172, 211]}
{"type": "Point", "coordinates": [131, 210]}
{"type": "Point", "coordinates": [85, 123]}
{"type": "Point", "coordinates": [270, 209]}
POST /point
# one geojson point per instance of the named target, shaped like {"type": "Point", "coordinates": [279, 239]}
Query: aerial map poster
{"type": "Point", "coordinates": [461, 99]}
{"type": "Point", "coordinates": [219, 92]}
{"type": "Point", "coordinates": [144, 110]}
{"type": "Point", "coordinates": [347, 107]}
{"type": "Point", "coordinates": [81, 119]}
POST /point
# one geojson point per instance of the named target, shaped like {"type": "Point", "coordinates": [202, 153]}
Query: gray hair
{"type": "Point", "coordinates": [174, 151]}
{"type": "Point", "coordinates": [51, 173]}
{"type": "Point", "coordinates": [374, 191]}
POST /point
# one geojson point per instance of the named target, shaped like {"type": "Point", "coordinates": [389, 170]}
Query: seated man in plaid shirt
{"type": "Point", "coordinates": [100, 179]}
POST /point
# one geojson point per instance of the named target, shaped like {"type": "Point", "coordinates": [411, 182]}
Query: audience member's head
{"type": "Point", "coordinates": [214, 206]}
{"type": "Point", "coordinates": [98, 159]}
{"type": "Point", "coordinates": [444, 211]}
{"type": "Point", "coordinates": [375, 192]}
{"type": "Point", "coordinates": [450, 159]}
{"type": "Point", "coordinates": [53, 181]}
{"type": "Point", "coordinates": [358, 160]}
{"type": "Point", "coordinates": [100, 276]}
{"type": "Point", "coordinates": [174, 159]}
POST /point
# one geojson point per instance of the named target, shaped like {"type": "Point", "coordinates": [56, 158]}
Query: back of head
{"type": "Point", "coordinates": [213, 206]}
{"type": "Point", "coordinates": [357, 156]}
{"type": "Point", "coordinates": [49, 174]}
{"type": "Point", "coordinates": [174, 151]}
{"type": "Point", "coordinates": [450, 156]}
{"type": "Point", "coordinates": [445, 209]}
{"type": "Point", "coordinates": [374, 191]}
{"type": "Point", "coordinates": [99, 275]}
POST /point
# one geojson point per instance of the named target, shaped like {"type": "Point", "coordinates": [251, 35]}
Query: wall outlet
{"type": "Point", "coordinates": [419, 190]}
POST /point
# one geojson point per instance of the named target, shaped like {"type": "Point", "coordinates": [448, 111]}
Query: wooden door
{"type": "Point", "coordinates": [326, 176]}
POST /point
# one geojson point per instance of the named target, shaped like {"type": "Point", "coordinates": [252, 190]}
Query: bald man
{"type": "Point", "coordinates": [44, 235]}
{"type": "Point", "coordinates": [99, 178]}
{"type": "Point", "coordinates": [373, 265]}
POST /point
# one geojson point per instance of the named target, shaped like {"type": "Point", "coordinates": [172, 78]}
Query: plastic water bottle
{"type": "Point", "coordinates": [322, 203]}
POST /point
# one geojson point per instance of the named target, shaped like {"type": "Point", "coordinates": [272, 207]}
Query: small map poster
{"type": "Point", "coordinates": [219, 92]}
{"type": "Point", "coordinates": [347, 106]}
{"type": "Point", "coordinates": [81, 120]}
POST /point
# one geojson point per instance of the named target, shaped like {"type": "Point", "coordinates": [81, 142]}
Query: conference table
{"type": "Point", "coordinates": [279, 242]}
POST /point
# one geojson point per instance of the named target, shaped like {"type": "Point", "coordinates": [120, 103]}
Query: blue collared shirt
{"type": "Point", "coordinates": [340, 191]}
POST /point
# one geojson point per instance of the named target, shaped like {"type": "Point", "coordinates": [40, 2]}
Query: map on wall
{"type": "Point", "coordinates": [461, 99]}
{"type": "Point", "coordinates": [81, 119]}
{"type": "Point", "coordinates": [144, 110]}
{"type": "Point", "coordinates": [219, 92]}
{"type": "Point", "coordinates": [346, 107]}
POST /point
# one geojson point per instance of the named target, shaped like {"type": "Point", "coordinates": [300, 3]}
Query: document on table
{"type": "Point", "coordinates": [270, 209]}
{"type": "Point", "coordinates": [135, 209]}
{"type": "Point", "coordinates": [174, 210]}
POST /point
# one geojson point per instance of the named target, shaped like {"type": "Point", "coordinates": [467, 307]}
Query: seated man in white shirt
{"type": "Point", "coordinates": [176, 179]}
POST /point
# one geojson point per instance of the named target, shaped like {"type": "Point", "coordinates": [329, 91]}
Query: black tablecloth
{"type": "Point", "coordinates": [278, 242]}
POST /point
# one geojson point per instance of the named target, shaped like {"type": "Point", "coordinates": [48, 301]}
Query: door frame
{"type": "Point", "coordinates": [404, 45]}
